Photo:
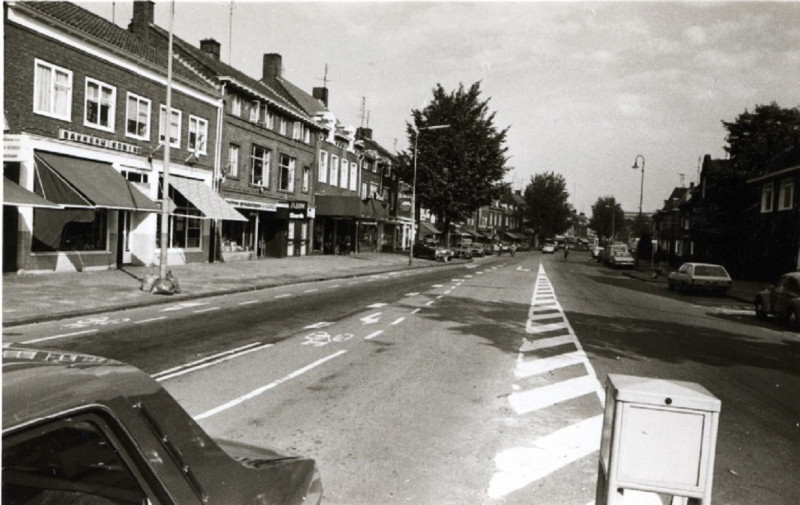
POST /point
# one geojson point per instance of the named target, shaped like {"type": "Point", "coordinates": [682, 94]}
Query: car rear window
{"type": "Point", "coordinates": [710, 271]}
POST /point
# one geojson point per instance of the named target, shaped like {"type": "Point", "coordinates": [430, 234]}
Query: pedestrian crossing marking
{"type": "Point", "coordinates": [540, 366]}
{"type": "Point", "coordinates": [547, 396]}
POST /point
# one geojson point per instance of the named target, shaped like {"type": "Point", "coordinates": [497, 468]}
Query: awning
{"type": "Point", "coordinates": [14, 194]}
{"type": "Point", "coordinates": [428, 227]}
{"type": "Point", "coordinates": [209, 203]}
{"type": "Point", "coordinates": [78, 182]}
{"type": "Point", "coordinates": [515, 236]}
{"type": "Point", "coordinates": [350, 206]}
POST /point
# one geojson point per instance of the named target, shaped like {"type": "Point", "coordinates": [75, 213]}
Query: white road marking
{"type": "Point", "coordinates": [208, 361]}
{"type": "Point", "coordinates": [376, 305]}
{"type": "Point", "coordinates": [437, 285]}
{"type": "Point", "coordinates": [373, 335]}
{"type": "Point", "coordinates": [414, 293]}
{"type": "Point", "coordinates": [415, 311]}
{"type": "Point", "coordinates": [521, 466]}
{"type": "Point", "coordinates": [546, 396]}
{"type": "Point", "coordinates": [248, 302]}
{"type": "Point", "coordinates": [372, 318]}
{"type": "Point", "coordinates": [285, 295]}
{"type": "Point", "coordinates": [544, 343]}
{"type": "Point", "coordinates": [63, 335]}
{"type": "Point", "coordinates": [544, 365]}
{"type": "Point", "coordinates": [263, 389]}
{"type": "Point", "coordinates": [205, 310]}
{"type": "Point", "coordinates": [543, 328]}
{"type": "Point", "coordinates": [311, 290]}
{"type": "Point", "coordinates": [398, 321]}
{"type": "Point", "coordinates": [150, 320]}
{"type": "Point", "coordinates": [429, 303]}
{"type": "Point", "coordinates": [184, 305]}
{"type": "Point", "coordinates": [315, 326]}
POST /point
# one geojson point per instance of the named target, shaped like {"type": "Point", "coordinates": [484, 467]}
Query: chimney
{"type": "Point", "coordinates": [272, 67]}
{"type": "Point", "coordinates": [143, 17]}
{"type": "Point", "coordinates": [210, 47]}
{"type": "Point", "coordinates": [364, 133]}
{"type": "Point", "coordinates": [321, 94]}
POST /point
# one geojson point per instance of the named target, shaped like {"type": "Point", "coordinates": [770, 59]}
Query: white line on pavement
{"type": "Point", "coordinates": [398, 321]}
{"type": "Point", "coordinates": [150, 320]}
{"type": "Point", "coordinates": [546, 396]}
{"type": "Point", "coordinates": [206, 310]}
{"type": "Point", "coordinates": [285, 295]}
{"type": "Point", "coordinates": [263, 389]}
{"type": "Point", "coordinates": [208, 361]}
{"type": "Point", "coordinates": [63, 335]}
{"type": "Point", "coordinates": [248, 302]}
{"type": "Point", "coordinates": [373, 335]}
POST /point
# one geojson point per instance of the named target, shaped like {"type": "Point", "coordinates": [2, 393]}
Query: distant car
{"type": "Point", "coordinates": [432, 251]}
{"type": "Point", "coordinates": [782, 300]}
{"type": "Point", "coordinates": [463, 251]}
{"type": "Point", "coordinates": [610, 251]}
{"type": "Point", "coordinates": [90, 430]}
{"type": "Point", "coordinates": [548, 248]}
{"type": "Point", "coordinates": [704, 277]}
{"type": "Point", "coordinates": [478, 250]}
{"type": "Point", "coordinates": [622, 259]}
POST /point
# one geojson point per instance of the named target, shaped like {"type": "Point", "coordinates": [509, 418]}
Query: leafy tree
{"type": "Point", "coordinates": [608, 218]}
{"type": "Point", "coordinates": [460, 168]}
{"type": "Point", "coordinates": [757, 138]}
{"type": "Point", "coordinates": [546, 206]}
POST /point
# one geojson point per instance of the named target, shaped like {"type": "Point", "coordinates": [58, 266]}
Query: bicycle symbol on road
{"type": "Point", "coordinates": [323, 338]}
{"type": "Point", "coordinates": [97, 321]}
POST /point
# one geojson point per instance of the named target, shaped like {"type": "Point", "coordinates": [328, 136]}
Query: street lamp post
{"type": "Point", "coordinates": [414, 190]}
{"type": "Point", "coordinates": [641, 186]}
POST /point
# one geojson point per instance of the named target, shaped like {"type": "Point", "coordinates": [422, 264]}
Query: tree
{"type": "Point", "coordinates": [757, 138]}
{"type": "Point", "coordinates": [607, 217]}
{"type": "Point", "coordinates": [546, 206]}
{"type": "Point", "coordinates": [460, 168]}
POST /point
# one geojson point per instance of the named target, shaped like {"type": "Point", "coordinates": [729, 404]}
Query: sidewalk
{"type": "Point", "coordinates": [31, 298]}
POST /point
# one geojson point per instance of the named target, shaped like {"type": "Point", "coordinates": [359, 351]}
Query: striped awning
{"type": "Point", "coordinates": [209, 203]}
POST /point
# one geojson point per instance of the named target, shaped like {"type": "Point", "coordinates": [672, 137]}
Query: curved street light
{"type": "Point", "coordinates": [413, 237]}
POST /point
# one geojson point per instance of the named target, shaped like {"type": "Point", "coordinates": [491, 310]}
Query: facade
{"type": "Point", "coordinates": [672, 224]}
{"type": "Point", "coordinates": [86, 121]}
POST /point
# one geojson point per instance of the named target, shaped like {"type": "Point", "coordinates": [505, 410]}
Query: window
{"type": "Point", "coordinates": [137, 117]}
{"type": "Point", "coordinates": [343, 173]}
{"type": "Point", "coordinates": [323, 166]}
{"type": "Point", "coordinates": [373, 190]}
{"type": "Point", "coordinates": [185, 225]}
{"type": "Point", "coordinates": [174, 127]}
{"type": "Point", "coordinates": [101, 103]}
{"type": "Point", "coordinates": [236, 105]}
{"type": "Point", "coordinates": [255, 108]}
{"type": "Point", "coordinates": [52, 91]}
{"type": "Point", "coordinates": [364, 191]}
{"type": "Point", "coordinates": [306, 179]}
{"type": "Point", "coordinates": [307, 136]}
{"type": "Point", "coordinates": [198, 135]}
{"type": "Point", "coordinates": [786, 197]}
{"type": "Point", "coordinates": [74, 460]}
{"type": "Point", "coordinates": [353, 176]}
{"type": "Point", "coordinates": [283, 126]}
{"type": "Point", "coordinates": [766, 197]}
{"type": "Point", "coordinates": [233, 161]}
{"type": "Point", "coordinates": [69, 230]}
{"type": "Point", "coordinates": [297, 131]}
{"type": "Point", "coordinates": [334, 173]}
{"type": "Point", "coordinates": [286, 173]}
{"type": "Point", "coordinates": [269, 119]}
{"type": "Point", "coordinates": [259, 166]}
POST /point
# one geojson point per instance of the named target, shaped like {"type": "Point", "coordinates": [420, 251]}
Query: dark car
{"type": "Point", "coordinates": [80, 429]}
{"type": "Point", "coordinates": [478, 250]}
{"type": "Point", "coordinates": [432, 251]}
{"type": "Point", "coordinates": [782, 300]}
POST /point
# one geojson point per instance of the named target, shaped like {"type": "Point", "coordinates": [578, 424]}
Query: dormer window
{"type": "Point", "coordinates": [255, 108]}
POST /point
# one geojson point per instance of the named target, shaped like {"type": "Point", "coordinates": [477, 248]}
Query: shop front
{"type": "Point", "coordinates": [348, 224]}
{"type": "Point", "coordinates": [271, 230]}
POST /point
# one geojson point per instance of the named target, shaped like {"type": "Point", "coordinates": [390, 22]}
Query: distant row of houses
{"type": "Point", "coordinates": [750, 225]}
{"type": "Point", "coordinates": [256, 167]}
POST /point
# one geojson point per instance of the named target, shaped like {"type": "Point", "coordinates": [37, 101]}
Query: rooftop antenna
{"type": "Point", "coordinates": [363, 112]}
{"type": "Point", "coordinates": [230, 34]}
{"type": "Point", "coordinates": [682, 175]}
{"type": "Point", "coordinates": [324, 79]}
{"type": "Point", "coordinates": [114, 12]}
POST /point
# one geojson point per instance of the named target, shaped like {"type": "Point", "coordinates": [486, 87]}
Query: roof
{"type": "Point", "coordinates": [105, 34]}
{"type": "Point", "coordinates": [38, 383]}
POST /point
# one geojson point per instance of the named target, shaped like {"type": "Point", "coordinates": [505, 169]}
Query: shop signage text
{"type": "Point", "coordinates": [82, 138]}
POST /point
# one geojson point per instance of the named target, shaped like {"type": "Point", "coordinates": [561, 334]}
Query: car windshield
{"type": "Point", "coordinates": [710, 271]}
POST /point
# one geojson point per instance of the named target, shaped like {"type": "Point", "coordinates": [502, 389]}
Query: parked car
{"type": "Point", "coordinates": [432, 251]}
{"type": "Point", "coordinates": [463, 251]}
{"type": "Point", "coordinates": [704, 277]}
{"type": "Point", "coordinates": [622, 259]}
{"type": "Point", "coordinates": [782, 300]}
{"type": "Point", "coordinates": [478, 250]}
{"type": "Point", "coordinates": [86, 429]}
{"type": "Point", "coordinates": [548, 248]}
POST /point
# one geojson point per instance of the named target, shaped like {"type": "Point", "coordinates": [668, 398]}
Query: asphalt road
{"type": "Point", "coordinates": [477, 383]}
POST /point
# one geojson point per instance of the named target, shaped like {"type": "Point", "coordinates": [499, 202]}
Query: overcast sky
{"type": "Point", "coordinates": [583, 86]}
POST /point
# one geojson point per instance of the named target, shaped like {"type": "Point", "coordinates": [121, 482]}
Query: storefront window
{"type": "Point", "coordinates": [69, 230]}
{"type": "Point", "coordinates": [185, 230]}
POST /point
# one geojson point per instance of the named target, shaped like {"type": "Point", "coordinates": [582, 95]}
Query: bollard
{"type": "Point", "coordinates": [659, 436]}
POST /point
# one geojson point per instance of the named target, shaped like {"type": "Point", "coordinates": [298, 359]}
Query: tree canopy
{"type": "Point", "coordinates": [459, 168]}
{"type": "Point", "coordinates": [547, 209]}
{"type": "Point", "coordinates": [755, 139]}
{"type": "Point", "coordinates": [607, 217]}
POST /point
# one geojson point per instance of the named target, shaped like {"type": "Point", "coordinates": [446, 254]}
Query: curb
{"type": "Point", "coordinates": [161, 299]}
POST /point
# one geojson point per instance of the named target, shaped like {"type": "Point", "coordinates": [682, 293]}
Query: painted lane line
{"type": "Point", "coordinates": [263, 389]}
{"type": "Point", "coordinates": [376, 305]}
{"type": "Point", "coordinates": [398, 321]}
{"type": "Point", "coordinates": [335, 285]}
{"type": "Point", "coordinates": [63, 335]}
{"type": "Point", "coordinates": [248, 302]}
{"type": "Point", "coordinates": [547, 396]}
{"type": "Point", "coordinates": [437, 285]}
{"type": "Point", "coordinates": [205, 310]}
{"type": "Point", "coordinates": [544, 365]}
{"type": "Point", "coordinates": [207, 364]}
{"type": "Point", "coordinates": [314, 290]}
{"type": "Point", "coordinates": [318, 325]}
{"type": "Point", "coordinates": [520, 466]}
{"type": "Point", "coordinates": [207, 358]}
{"type": "Point", "coordinates": [429, 303]}
{"type": "Point", "coordinates": [372, 318]}
{"type": "Point", "coordinates": [542, 328]}
{"type": "Point", "coordinates": [150, 320]}
{"type": "Point", "coordinates": [415, 311]}
{"type": "Point", "coordinates": [285, 295]}
{"type": "Point", "coordinates": [184, 305]}
{"type": "Point", "coordinates": [373, 335]}
{"type": "Point", "coordinates": [439, 297]}
{"type": "Point", "coordinates": [413, 293]}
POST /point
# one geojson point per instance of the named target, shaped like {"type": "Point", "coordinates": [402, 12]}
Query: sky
{"type": "Point", "coordinates": [583, 87]}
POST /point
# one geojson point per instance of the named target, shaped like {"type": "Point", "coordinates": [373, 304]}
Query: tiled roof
{"type": "Point", "coordinates": [371, 144]}
{"type": "Point", "coordinates": [308, 103]}
{"type": "Point", "coordinates": [105, 33]}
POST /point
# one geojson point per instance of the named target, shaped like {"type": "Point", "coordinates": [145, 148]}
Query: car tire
{"type": "Point", "coordinates": [760, 312]}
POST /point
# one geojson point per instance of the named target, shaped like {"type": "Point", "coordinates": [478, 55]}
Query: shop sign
{"type": "Point", "coordinates": [246, 204]}
{"type": "Point", "coordinates": [404, 206]}
{"type": "Point", "coordinates": [82, 138]}
{"type": "Point", "coordinates": [298, 209]}
{"type": "Point", "coordinates": [12, 147]}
